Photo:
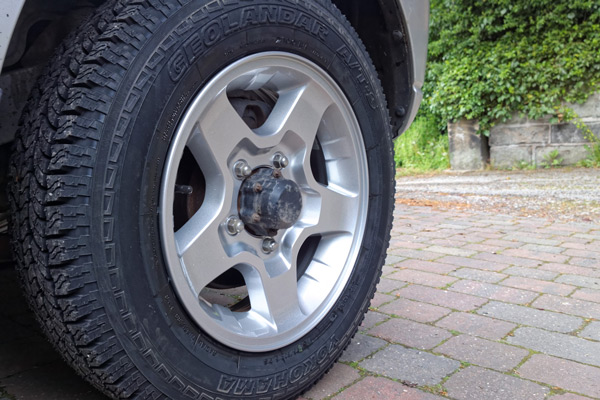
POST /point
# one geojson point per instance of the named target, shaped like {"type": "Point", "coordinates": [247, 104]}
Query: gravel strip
{"type": "Point", "coordinates": [565, 194]}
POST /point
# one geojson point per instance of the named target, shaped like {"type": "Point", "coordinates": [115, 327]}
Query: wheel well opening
{"type": "Point", "coordinates": [381, 27]}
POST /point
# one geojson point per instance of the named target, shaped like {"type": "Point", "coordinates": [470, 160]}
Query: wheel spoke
{"type": "Point", "coordinates": [218, 133]}
{"type": "Point", "coordinates": [336, 208]}
{"type": "Point", "coordinates": [299, 110]}
{"type": "Point", "coordinates": [201, 251]}
{"type": "Point", "coordinates": [275, 298]}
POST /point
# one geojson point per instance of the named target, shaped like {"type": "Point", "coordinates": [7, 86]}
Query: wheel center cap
{"type": "Point", "coordinates": [268, 202]}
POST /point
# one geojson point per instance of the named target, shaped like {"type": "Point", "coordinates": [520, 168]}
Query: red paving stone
{"type": "Point", "coordinates": [476, 325]}
{"type": "Point", "coordinates": [444, 298]}
{"type": "Point", "coordinates": [410, 334]}
{"type": "Point", "coordinates": [339, 376]}
{"type": "Point", "coordinates": [536, 285]}
{"type": "Point", "coordinates": [564, 374]}
{"type": "Point", "coordinates": [475, 383]}
{"type": "Point", "coordinates": [482, 352]}
{"type": "Point", "coordinates": [427, 266]}
{"type": "Point", "coordinates": [587, 294]}
{"type": "Point", "coordinates": [423, 278]}
{"type": "Point", "coordinates": [473, 263]}
{"type": "Point", "coordinates": [414, 310]}
{"type": "Point", "coordinates": [494, 292]}
{"type": "Point", "coordinates": [372, 388]}
{"type": "Point", "coordinates": [571, 269]}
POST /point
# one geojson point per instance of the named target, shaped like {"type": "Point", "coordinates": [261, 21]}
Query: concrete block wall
{"type": "Point", "coordinates": [468, 150]}
{"type": "Point", "coordinates": [522, 140]}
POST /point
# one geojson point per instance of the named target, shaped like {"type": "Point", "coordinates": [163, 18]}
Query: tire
{"type": "Point", "coordinates": [202, 196]}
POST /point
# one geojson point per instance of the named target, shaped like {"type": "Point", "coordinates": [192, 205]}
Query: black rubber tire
{"type": "Point", "coordinates": [85, 175]}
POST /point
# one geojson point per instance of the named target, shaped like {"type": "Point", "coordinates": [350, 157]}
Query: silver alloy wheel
{"type": "Point", "coordinates": [310, 106]}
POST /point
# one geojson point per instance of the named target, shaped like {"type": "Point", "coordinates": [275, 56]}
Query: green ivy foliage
{"type": "Point", "coordinates": [489, 59]}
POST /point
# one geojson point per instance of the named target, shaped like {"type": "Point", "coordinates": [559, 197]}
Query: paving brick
{"type": "Point", "coordinates": [412, 253]}
{"type": "Point", "coordinates": [532, 317]}
{"type": "Point", "coordinates": [444, 298]}
{"type": "Point", "coordinates": [482, 352]}
{"type": "Point", "coordinates": [595, 246]}
{"type": "Point", "coordinates": [568, 244]}
{"type": "Point", "coordinates": [584, 262]}
{"type": "Point", "coordinates": [427, 266]}
{"type": "Point", "coordinates": [566, 305]}
{"type": "Point", "coordinates": [530, 239]}
{"type": "Point", "coordinates": [570, 269]}
{"type": "Point", "coordinates": [339, 376]}
{"type": "Point", "coordinates": [456, 241]}
{"type": "Point", "coordinates": [473, 263]}
{"type": "Point", "coordinates": [592, 331]}
{"type": "Point", "coordinates": [571, 227]}
{"type": "Point", "coordinates": [583, 281]}
{"type": "Point", "coordinates": [588, 236]}
{"type": "Point", "coordinates": [503, 243]}
{"type": "Point", "coordinates": [488, 248]}
{"type": "Point", "coordinates": [380, 299]}
{"type": "Point", "coordinates": [453, 251]}
{"type": "Point", "coordinates": [405, 244]}
{"type": "Point", "coordinates": [533, 273]}
{"type": "Point", "coordinates": [476, 325]}
{"type": "Point", "coordinates": [414, 310]}
{"type": "Point", "coordinates": [562, 373]}
{"type": "Point", "coordinates": [587, 294]}
{"type": "Point", "coordinates": [433, 234]}
{"type": "Point", "coordinates": [378, 388]}
{"type": "Point", "coordinates": [389, 285]}
{"type": "Point", "coordinates": [557, 344]}
{"type": "Point", "coordinates": [392, 260]}
{"type": "Point", "coordinates": [478, 275]}
{"type": "Point", "coordinates": [423, 278]}
{"type": "Point", "coordinates": [537, 285]}
{"type": "Point", "coordinates": [475, 383]}
{"type": "Point", "coordinates": [362, 346]}
{"type": "Point", "coordinates": [410, 239]}
{"type": "Point", "coordinates": [411, 334]}
{"type": "Point", "coordinates": [410, 366]}
{"type": "Point", "coordinates": [480, 236]}
{"type": "Point", "coordinates": [543, 248]}
{"type": "Point", "coordinates": [458, 227]}
{"type": "Point", "coordinates": [507, 259]}
{"type": "Point", "coordinates": [494, 292]}
{"type": "Point", "coordinates": [536, 255]}
{"type": "Point", "coordinates": [583, 254]}
{"type": "Point", "coordinates": [372, 318]}
{"type": "Point", "coordinates": [570, 239]}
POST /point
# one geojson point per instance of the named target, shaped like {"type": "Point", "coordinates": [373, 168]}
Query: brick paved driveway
{"type": "Point", "coordinates": [477, 306]}
{"type": "Point", "coordinates": [471, 306]}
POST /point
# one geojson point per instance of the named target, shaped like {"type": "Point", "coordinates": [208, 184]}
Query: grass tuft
{"type": "Point", "coordinates": [422, 148]}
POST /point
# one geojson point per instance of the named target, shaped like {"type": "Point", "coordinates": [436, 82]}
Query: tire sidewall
{"type": "Point", "coordinates": [154, 329]}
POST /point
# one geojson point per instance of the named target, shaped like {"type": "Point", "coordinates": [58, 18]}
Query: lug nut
{"type": "Point", "coordinates": [234, 226]}
{"type": "Point", "coordinates": [269, 245]}
{"type": "Point", "coordinates": [280, 161]}
{"type": "Point", "coordinates": [242, 169]}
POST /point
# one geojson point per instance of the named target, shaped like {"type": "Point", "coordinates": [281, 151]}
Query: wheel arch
{"type": "Point", "coordinates": [393, 31]}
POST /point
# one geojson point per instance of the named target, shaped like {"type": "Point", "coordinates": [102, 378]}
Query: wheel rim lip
{"type": "Point", "coordinates": [177, 270]}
